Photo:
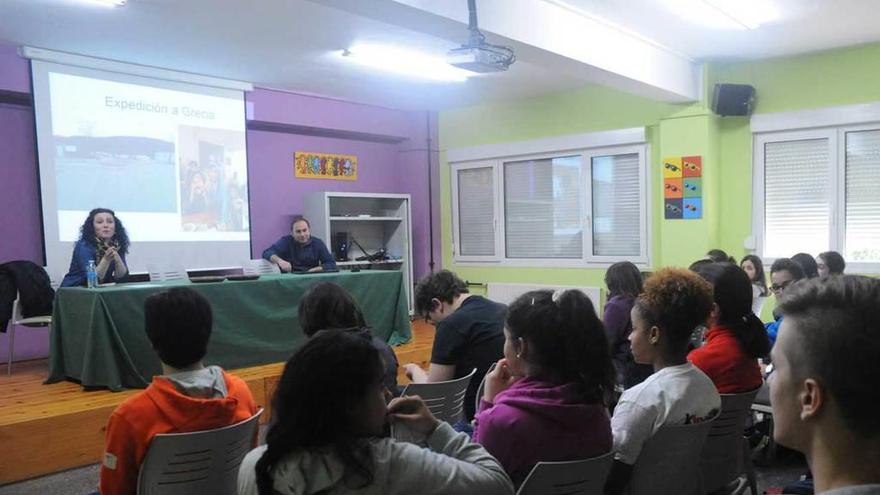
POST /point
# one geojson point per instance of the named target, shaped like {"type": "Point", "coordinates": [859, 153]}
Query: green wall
{"type": "Point", "coordinates": [838, 77]}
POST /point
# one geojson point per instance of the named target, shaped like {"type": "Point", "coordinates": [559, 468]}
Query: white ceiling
{"type": "Point", "coordinates": [802, 26]}
{"type": "Point", "coordinates": [294, 44]}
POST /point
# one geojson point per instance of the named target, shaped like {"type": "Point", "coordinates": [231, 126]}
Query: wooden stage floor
{"type": "Point", "coordinates": [49, 428]}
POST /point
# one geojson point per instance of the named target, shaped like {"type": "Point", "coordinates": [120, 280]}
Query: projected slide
{"type": "Point", "coordinates": [171, 163]}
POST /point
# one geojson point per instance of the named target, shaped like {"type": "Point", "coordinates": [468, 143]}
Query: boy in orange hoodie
{"type": "Point", "coordinates": [187, 397]}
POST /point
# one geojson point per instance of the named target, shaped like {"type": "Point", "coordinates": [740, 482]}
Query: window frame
{"type": "Point", "coordinates": [643, 258]}
{"type": "Point", "coordinates": [587, 259]}
{"type": "Point", "coordinates": [836, 136]}
{"type": "Point", "coordinates": [456, 233]}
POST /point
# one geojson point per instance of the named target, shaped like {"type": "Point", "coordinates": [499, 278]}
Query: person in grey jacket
{"type": "Point", "coordinates": [326, 437]}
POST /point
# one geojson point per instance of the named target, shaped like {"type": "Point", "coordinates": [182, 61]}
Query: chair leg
{"type": "Point", "coordinates": [10, 331]}
{"type": "Point", "coordinates": [771, 447]}
{"type": "Point", "coordinates": [749, 467]}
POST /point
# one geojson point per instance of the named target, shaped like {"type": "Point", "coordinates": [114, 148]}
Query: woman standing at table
{"type": "Point", "coordinates": [102, 239]}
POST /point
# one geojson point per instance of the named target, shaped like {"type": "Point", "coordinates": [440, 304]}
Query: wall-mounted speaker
{"type": "Point", "coordinates": [733, 99]}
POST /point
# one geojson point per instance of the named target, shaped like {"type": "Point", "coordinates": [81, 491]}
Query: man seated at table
{"type": "Point", "coordinates": [299, 251]}
{"type": "Point", "coordinates": [469, 333]}
{"type": "Point", "coordinates": [187, 397]}
{"type": "Point", "coordinates": [824, 390]}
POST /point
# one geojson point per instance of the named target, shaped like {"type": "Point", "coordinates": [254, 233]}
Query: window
{"type": "Point", "coordinates": [474, 220]}
{"type": "Point", "coordinates": [555, 209]}
{"type": "Point", "coordinates": [542, 208]}
{"type": "Point", "coordinates": [815, 191]}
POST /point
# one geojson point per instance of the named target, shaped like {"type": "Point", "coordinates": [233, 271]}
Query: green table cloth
{"type": "Point", "coordinates": [97, 336]}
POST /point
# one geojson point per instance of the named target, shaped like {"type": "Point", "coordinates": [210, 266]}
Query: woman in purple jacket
{"type": "Point", "coordinates": [624, 282]}
{"type": "Point", "coordinates": [545, 401]}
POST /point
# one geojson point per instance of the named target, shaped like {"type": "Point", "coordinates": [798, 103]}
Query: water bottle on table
{"type": "Point", "coordinates": [91, 275]}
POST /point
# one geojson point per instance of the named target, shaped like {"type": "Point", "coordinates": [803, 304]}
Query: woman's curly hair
{"type": "Point", "coordinates": [677, 301]}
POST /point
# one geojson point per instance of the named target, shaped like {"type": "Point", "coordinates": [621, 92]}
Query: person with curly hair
{"type": "Point", "coordinates": [675, 301]}
{"type": "Point", "coordinates": [102, 239]}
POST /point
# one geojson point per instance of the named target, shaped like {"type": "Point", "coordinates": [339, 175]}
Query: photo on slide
{"type": "Point", "coordinates": [213, 180]}
{"type": "Point", "coordinates": [127, 173]}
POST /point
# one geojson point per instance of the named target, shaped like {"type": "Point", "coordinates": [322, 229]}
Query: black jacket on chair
{"type": "Point", "coordinates": [31, 282]}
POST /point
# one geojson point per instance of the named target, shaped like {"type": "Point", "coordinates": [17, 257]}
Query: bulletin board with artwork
{"type": "Point", "coordinates": [308, 165]}
{"type": "Point", "coordinates": [683, 187]}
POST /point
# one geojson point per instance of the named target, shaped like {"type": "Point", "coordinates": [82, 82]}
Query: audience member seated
{"type": "Point", "coordinates": [299, 251]}
{"type": "Point", "coordinates": [624, 282]}
{"type": "Point", "coordinates": [675, 301]}
{"type": "Point", "coordinates": [187, 397]}
{"type": "Point", "coordinates": [824, 390]}
{"type": "Point", "coordinates": [830, 263]}
{"type": "Point", "coordinates": [783, 273]}
{"type": "Point", "coordinates": [329, 412]}
{"type": "Point", "coordinates": [328, 306]}
{"type": "Point", "coordinates": [469, 334]}
{"type": "Point", "coordinates": [720, 256]}
{"type": "Point", "coordinates": [736, 337]}
{"type": "Point", "coordinates": [545, 401]}
{"type": "Point", "coordinates": [754, 268]}
{"type": "Point", "coordinates": [808, 264]}
{"type": "Point", "coordinates": [102, 239]}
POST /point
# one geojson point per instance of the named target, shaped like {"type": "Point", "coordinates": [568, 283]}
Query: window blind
{"type": "Point", "coordinates": [476, 211]}
{"type": "Point", "coordinates": [542, 208]}
{"type": "Point", "coordinates": [862, 200]}
{"type": "Point", "coordinates": [616, 205]}
{"type": "Point", "coordinates": [796, 197]}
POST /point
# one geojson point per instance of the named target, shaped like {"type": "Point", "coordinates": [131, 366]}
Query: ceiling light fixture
{"type": "Point", "coordinates": [109, 3]}
{"type": "Point", "coordinates": [405, 62]}
{"type": "Point", "coordinates": [725, 14]}
{"type": "Point", "coordinates": [748, 13]}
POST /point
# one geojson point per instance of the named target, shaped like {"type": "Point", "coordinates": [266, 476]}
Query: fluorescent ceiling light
{"type": "Point", "coordinates": [405, 62]}
{"type": "Point", "coordinates": [726, 14]}
{"type": "Point", "coordinates": [108, 3]}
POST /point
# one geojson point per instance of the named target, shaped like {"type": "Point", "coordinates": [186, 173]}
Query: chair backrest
{"type": "Point", "coordinates": [444, 399]}
{"type": "Point", "coordinates": [197, 462]}
{"type": "Point", "coordinates": [669, 463]}
{"type": "Point", "coordinates": [482, 387]}
{"type": "Point", "coordinates": [259, 267]}
{"type": "Point", "coordinates": [722, 458]}
{"type": "Point", "coordinates": [162, 273]}
{"type": "Point", "coordinates": [582, 477]}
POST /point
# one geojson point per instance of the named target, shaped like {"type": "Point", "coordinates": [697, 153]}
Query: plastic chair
{"type": "Point", "coordinates": [259, 267]}
{"type": "Point", "coordinates": [162, 273]}
{"type": "Point", "coordinates": [669, 463]}
{"type": "Point", "coordinates": [197, 462]}
{"type": "Point", "coordinates": [762, 405]}
{"type": "Point", "coordinates": [18, 319]}
{"type": "Point", "coordinates": [582, 477]}
{"type": "Point", "coordinates": [482, 387]}
{"type": "Point", "coordinates": [722, 459]}
{"type": "Point", "coordinates": [444, 399]}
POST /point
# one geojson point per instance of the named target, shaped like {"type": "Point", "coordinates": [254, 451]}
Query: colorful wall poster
{"type": "Point", "coordinates": [672, 168]}
{"type": "Point", "coordinates": [683, 187]}
{"type": "Point", "coordinates": [308, 165]}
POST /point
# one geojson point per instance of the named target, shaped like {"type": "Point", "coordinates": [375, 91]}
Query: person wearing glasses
{"type": "Point", "coordinates": [469, 333]}
{"type": "Point", "coordinates": [783, 273]}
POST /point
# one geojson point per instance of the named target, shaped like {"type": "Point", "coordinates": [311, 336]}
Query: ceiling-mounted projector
{"type": "Point", "coordinates": [477, 55]}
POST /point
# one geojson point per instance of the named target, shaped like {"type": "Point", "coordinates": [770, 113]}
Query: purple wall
{"type": "Point", "coordinates": [390, 146]}
{"type": "Point", "coordinates": [276, 195]}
